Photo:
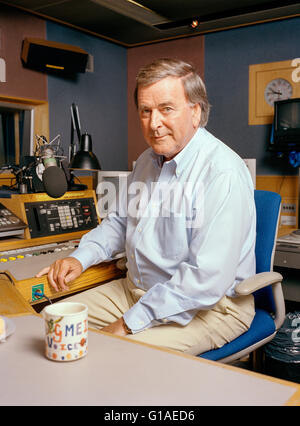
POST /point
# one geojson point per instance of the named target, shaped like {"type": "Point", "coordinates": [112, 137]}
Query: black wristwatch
{"type": "Point", "coordinates": [126, 327]}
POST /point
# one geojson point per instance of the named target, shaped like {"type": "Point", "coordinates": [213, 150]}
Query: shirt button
{"type": "Point", "coordinates": [164, 320]}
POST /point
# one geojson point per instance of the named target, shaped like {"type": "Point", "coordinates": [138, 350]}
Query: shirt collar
{"type": "Point", "coordinates": [157, 159]}
{"type": "Point", "coordinates": [183, 157]}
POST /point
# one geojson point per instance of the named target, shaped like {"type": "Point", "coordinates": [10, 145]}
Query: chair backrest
{"type": "Point", "coordinates": [267, 217]}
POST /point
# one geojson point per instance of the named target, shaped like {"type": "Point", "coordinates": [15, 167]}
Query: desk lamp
{"type": "Point", "coordinates": [85, 159]}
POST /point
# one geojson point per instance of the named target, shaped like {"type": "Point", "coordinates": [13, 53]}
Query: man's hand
{"type": "Point", "coordinates": [117, 327]}
{"type": "Point", "coordinates": [61, 272]}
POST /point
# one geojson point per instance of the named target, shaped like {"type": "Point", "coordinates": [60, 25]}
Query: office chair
{"type": "Point", "coordinates": [265, 286]}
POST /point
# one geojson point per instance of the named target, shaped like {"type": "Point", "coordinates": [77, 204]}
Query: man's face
{"type": "Point", "coordinates": [168, 120]}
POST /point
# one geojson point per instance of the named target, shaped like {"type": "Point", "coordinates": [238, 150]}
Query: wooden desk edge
{"type": "Point", "coordinates": [284, 232]}
{"type": "Point", "coordinates": [8, 294]}
{"type": "Point", "coordinates": [92, 277]}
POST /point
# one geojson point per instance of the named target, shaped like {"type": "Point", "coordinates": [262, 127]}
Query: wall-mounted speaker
{"type": "Point", "coordinates": [45, 55]}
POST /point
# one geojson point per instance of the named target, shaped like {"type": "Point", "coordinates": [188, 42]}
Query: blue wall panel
{"type": "Point", "coordinates": [101, 97]}
{"type": "Point", "coordinates": [228, 55]}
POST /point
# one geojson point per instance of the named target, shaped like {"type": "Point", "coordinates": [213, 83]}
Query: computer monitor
{"type": "Point", "coordinates": [286, 126]}
{"type": "Point", "coordinates": [110, 185]}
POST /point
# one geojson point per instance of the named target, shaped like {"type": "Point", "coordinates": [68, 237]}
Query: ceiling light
{"type": "Point", "coordinates": [134, 10]}
{"type": "Point", "coordinates": [194, 23]}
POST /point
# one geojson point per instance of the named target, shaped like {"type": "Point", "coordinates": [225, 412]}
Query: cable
{"type": "Point", "coordinates": [41, 295]}
{"type": "Point", "coordinates": [294, 158]}
{"type": "Point", "coordinates": [6, 274]}
{"type": "Point", "coordinates": [37, 293]}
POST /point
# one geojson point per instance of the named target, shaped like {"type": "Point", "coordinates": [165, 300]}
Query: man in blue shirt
{"type": "Point", "coordinates": [187, 224]}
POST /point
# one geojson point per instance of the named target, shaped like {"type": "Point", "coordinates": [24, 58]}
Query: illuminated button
{"type": "Point", "coordinates": [12, 258]}
{"type": "Point", "coordinates": [20, 256]}
{"type": "Point", "coordinates": [3, 259]}
{"type": "Point", "coordinates": [14, 220]}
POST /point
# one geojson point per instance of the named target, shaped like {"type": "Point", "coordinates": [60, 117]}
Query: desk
{"type": "Point", "coordinates": [117, 371]}
{"type": "Point", "coordinates": [287, 262]}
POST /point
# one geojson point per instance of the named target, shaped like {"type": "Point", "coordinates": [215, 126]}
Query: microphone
{"type": "Point", "coordinates": [54, 178]}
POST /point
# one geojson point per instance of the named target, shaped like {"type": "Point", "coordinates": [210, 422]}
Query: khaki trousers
{"type": "Point", "coordinates": [208, 329]}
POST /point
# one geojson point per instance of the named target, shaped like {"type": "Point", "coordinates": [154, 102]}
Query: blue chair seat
{"type": "Point", "coordinates": [261, 327]}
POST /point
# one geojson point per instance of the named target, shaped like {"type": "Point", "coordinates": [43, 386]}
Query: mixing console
{"type": "Point", "coordinates": [26, 262]}
{"type": "Point", "coordinates": [56, 225]}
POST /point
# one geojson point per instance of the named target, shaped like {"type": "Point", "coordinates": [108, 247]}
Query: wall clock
{"type": "Point", "coordinates": [278, 89]}
{"type": "Point", "coordinates": [268, 83]}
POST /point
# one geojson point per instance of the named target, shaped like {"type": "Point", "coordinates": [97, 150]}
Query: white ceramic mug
{"type": "Point", "coordinates": [66, 331]}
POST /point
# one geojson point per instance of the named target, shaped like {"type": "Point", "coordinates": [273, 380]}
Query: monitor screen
{"type": "Point", "coordinates": [286, 127]}
{"type": "Point", "coordinates": [288, 115]}
{"type": "Point", "coordinates": [16, 134]}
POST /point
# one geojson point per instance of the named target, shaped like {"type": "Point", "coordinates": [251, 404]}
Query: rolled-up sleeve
{"type": "Point", "coordinates": [103, 242]}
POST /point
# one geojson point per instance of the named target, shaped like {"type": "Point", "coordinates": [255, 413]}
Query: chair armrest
{"type": "Point", "coordinates": [256, 282]}
{"type": "Point", "coordinates": [261, 280]}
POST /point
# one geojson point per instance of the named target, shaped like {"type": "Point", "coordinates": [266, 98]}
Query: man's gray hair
{"type": "Point", "coordinates": [194, 87]}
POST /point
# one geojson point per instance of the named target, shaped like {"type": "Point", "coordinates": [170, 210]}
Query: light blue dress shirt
{"type": "Point", "coordinates": [192, 238]}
